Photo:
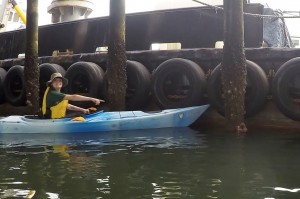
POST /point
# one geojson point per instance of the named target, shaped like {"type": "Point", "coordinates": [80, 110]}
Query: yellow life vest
{"type": "Point", "coordinates": [57, 111]}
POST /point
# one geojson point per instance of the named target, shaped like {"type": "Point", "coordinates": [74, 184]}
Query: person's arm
{"type": "Point", "coordinates": [76, 108]}
{"type": "Point", "coordinates": [82, 98]}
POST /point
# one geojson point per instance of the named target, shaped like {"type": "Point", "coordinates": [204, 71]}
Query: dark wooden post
{"type": "Point", "coordinates": [234, 64]}
{"type": "Point", "coordinates": [31, 70]}
{"type": "Point", "coordinates": [115, 77]}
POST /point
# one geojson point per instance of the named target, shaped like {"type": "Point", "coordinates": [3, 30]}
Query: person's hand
{"type": "Point", "coordinates": [97, 101]}
{"type": "Point", "coordinates": [86, 111]}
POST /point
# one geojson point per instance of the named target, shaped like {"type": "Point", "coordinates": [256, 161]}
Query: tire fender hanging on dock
{"type": "Point", "coordinates": [85, 78]}
{"type": "Point", "coordinates": [138, 85]}
{"type": "Point", "coordinates": [286, 88]}
{"type": "Point", "coordinates": [2, 77]}
{"type": "Point", "coordinates": [178, 83]}
{"type": "Point", "coordinates": [256, 91]}
{"type": "Point", "coordinates": [14, 86]}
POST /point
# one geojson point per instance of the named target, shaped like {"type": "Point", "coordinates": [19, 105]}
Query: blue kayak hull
{"type": "Point", "coordinates": [104, 121]}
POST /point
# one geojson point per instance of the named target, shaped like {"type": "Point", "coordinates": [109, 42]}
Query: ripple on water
{"type": "Point", "coordinates": [152, 164]}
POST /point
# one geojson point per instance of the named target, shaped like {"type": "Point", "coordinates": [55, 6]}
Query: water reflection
{"type": "Point", "coordinates": [167, 137]}
{"type": "Point", "coordinates": [162, 163]}
{"type": "Point", "coordinates": [17, 193]}
{"type": "Point", "coordinates": [73, 162]}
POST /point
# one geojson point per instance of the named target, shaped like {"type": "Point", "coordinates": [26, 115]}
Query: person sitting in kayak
{"type": "Point", "coordinates": [55, 104]}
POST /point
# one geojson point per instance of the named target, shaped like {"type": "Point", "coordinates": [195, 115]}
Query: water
{"type": "Point", "coordinates": [158, 164]}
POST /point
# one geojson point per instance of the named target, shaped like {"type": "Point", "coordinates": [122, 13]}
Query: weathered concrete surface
{"type": "Point", "coordinates": [270, 118]}
{"type": "Point", "coordinates": [6, 109]}
{"type": "Point", "coordinates": [207, 58]}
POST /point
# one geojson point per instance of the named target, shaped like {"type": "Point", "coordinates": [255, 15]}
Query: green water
{"type": "Point", "coordinates": [167, 163]}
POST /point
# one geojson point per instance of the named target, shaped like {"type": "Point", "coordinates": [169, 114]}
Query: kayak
{"type": "Point", "coordinates": [104, 121]}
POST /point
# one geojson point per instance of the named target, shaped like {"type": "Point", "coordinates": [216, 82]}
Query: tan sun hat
{"type": "Point", "coordinates": [57, 75]}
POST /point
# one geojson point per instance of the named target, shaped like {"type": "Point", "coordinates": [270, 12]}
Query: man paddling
{"type": "Point", "coordinates": [55, 104]}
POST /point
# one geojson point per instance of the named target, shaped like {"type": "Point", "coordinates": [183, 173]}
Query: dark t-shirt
{"type": "Point", "coordinates": [54, 98]}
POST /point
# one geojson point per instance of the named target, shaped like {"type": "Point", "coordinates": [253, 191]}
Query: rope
{"type": "Point", "coordinates": [248, 14]}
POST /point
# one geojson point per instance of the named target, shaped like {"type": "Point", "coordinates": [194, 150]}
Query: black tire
{"type": "Point", "coordinates": [178, 83]}
{"type": "Point", "coordinates": [286, 88]}
{"type": "Point", "coordinates": [85, 78]}
{"type": "Point", "coordinates": [46, 70]}
{"type": "Point", "coordinates": [14, 86]}
{"type": "Point", "coordinates": [2, 76]}
{"type": "Point", "coordinates": [138, 85]}
{"type": "Point", "coordinates": [256, 91]}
